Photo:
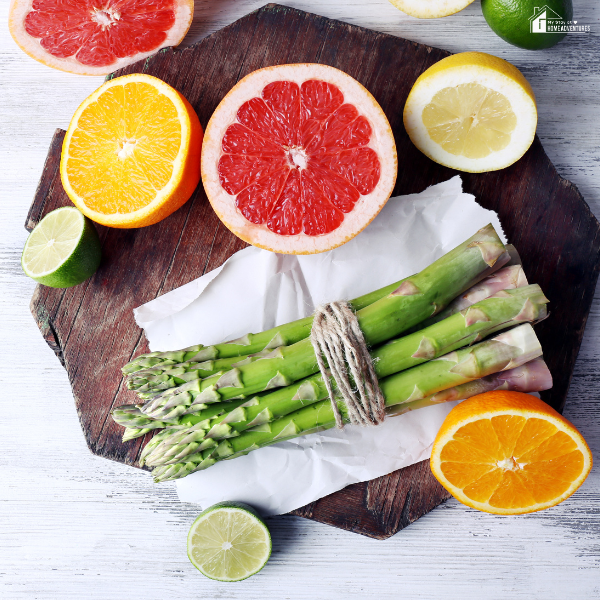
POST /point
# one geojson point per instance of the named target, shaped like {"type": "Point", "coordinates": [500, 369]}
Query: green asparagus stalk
{"type": "Point", "coordinates": [504, 310]}
{"type": "Point", "coordinates": [533, 376]}
{"type": "Point", "coordinates": [146, 382]}
{"type": "Point", "coordinates": [417, 298]}
{"type": "Point", "coordinates": [290, 333]}
{"type": "Point", "coordinates": [131, 433]}
{"type": "Point", "coordinates": [507, 278]}
{"type": "Point", "coordinates": [509, 350]}
{"type": "Point", "coordinates": [131, 417]}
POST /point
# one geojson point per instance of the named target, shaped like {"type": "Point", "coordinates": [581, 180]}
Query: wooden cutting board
{"type": "Point", "coordinates": [91, 327]}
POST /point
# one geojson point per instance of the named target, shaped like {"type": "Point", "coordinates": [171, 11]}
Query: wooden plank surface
{"type": "Point", "coordinates": [76, 526]}
{"type": "Point", "coordinates": [95, 319]}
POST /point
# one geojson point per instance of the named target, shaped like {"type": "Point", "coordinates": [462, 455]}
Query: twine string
{"type": "Point", "coordinates": [342, 354]}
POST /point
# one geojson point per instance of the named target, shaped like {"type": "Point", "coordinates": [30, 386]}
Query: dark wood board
{"type": "Point", "coordinates": [91, 327]}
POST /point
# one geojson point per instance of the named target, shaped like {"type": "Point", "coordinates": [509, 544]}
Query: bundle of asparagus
{"type": "Point", "coordinates": [177, 454]}
{"type": "Point", "coordinates": [500, 311]}
{"type": "Point", "coordinates": [220, 401]}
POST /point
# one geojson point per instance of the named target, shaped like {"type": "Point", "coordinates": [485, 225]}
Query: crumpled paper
{"type": "Point", "coordinates": [256, 290]}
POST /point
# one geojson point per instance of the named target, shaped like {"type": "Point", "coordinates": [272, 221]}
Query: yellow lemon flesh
{"type": "Point", "coordinates": [470, 120]}
{"type": "Point", "coordinates": [472, 112]}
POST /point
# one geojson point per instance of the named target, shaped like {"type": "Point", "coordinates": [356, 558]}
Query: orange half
{"type": "Point", "coordinates": [131, 155]}
{"type": "Point", "coordinates": [509, 453]}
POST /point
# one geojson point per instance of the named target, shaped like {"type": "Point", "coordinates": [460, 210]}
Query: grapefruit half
{"type": "Point", "coordinates": [96, 37]}
{"type": "Point", "coordinates": [298, 159]}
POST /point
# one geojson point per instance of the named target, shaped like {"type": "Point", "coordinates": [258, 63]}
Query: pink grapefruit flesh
{"type": "Point", "coordinates": [93, 37]}
{"type": "Point", "coordinates": [298, 159]}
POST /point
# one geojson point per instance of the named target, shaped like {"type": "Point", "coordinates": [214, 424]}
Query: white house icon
{"type": "Point", "coordinates": [540, 18]}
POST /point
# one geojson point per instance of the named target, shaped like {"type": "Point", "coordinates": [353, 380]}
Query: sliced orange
{"type": "Point", "coordinates": [509, 453]}
{"type": "Point", "coordinates": [131, 155]}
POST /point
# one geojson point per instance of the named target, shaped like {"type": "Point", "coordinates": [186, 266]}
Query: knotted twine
{"type": "Point", "coordinates": [337, 338]}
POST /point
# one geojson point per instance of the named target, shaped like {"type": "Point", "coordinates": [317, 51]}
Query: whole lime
{"type": "Point", "coordinates": [529, 24]}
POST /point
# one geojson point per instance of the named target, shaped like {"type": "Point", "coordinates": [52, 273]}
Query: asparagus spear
{"type": "Point", "coordinates": [165, 375]}
{"type": "Point", "coordinates": [533, 376]}
{"type": "Point", "coordinates": [501, 311]}
{"type": "Point", "coordinates": [509, 350]}
{"type": "Point", "coordinates": [290, 333]}
{"type": "Point", "coordinates": [131, 417]}
{"type": "Point", "coordinates": [417, 298]}
{"type": "Point", "coordinates": [507, 278]}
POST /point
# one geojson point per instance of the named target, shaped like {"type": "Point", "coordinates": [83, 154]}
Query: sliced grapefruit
{"type": "Point", "coordinates": [298, 159]}
{"type": "Point", "coordinates": [95, 37]}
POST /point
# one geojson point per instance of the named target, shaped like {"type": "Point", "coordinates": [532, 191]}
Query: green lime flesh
{"type": "Point", "coordinates": [63, 250]}
{"type": "Point", "coordinates": [511, 20]}
{"type": "Point", "coordinates": [229, 542]}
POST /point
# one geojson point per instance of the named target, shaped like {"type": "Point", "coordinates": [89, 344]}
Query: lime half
{"type": "Point", "coordinates": [63, 249]}
{"type": "Point", "coordinates": [229, 542]}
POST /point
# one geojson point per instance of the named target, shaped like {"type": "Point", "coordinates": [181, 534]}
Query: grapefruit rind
{"type": "Point", "coordinates": [19, 9]}
{"type": "Point", "coordinates": [488, 71]}
{"type": "Point", "coordinates": [478, 408]}
{"type": "Point", "coordinates": [186, 171]}
{"type": "Point", "coordinates": [366, 208]}
{"type": "Point", "coordinates": [430, 9]}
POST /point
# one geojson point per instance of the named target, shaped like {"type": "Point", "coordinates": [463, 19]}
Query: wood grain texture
{"type": "Point", "coordinates": [95, 319]}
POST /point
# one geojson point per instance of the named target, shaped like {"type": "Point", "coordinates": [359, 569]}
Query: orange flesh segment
{"type": "Point", "coordinates": [297, 158]}
{"type": "Point", "coordinates": [97, 34]}
{"type": "Point", "coordinates": [135, 150]}
{"type": "Point", "coordinates": [510, 461]}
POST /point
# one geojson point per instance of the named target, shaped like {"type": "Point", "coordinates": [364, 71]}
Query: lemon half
{"type": "Point", "coordinates": [472, 112]}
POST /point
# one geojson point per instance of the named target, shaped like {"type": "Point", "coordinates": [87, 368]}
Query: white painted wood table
{"type": "Point", "coordinates": [76, 526]}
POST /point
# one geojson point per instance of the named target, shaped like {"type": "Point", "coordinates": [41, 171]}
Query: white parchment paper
{"type": "Point", "coordinates": [256, 290]}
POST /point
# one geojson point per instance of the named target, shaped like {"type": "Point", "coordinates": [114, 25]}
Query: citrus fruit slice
{"type": "Point", "coordinates": [472, 112]}
{"type": "Point", "coordinates": [131, 155]}
{"type": "Point", "coordinates": [298, 158]}
{"type": "Point", "coordinates": [509, 453]}
{"type": "Point", "coordinates": [95, 38]}
{"type": "Point", "coordinates": [430, 9]}
{"type": "Point", "coordinates": [229, 542]}
{"type": "Point", "coordinates": [527, 23]}
{"type": "Point", "coordinates": [63, 250]}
